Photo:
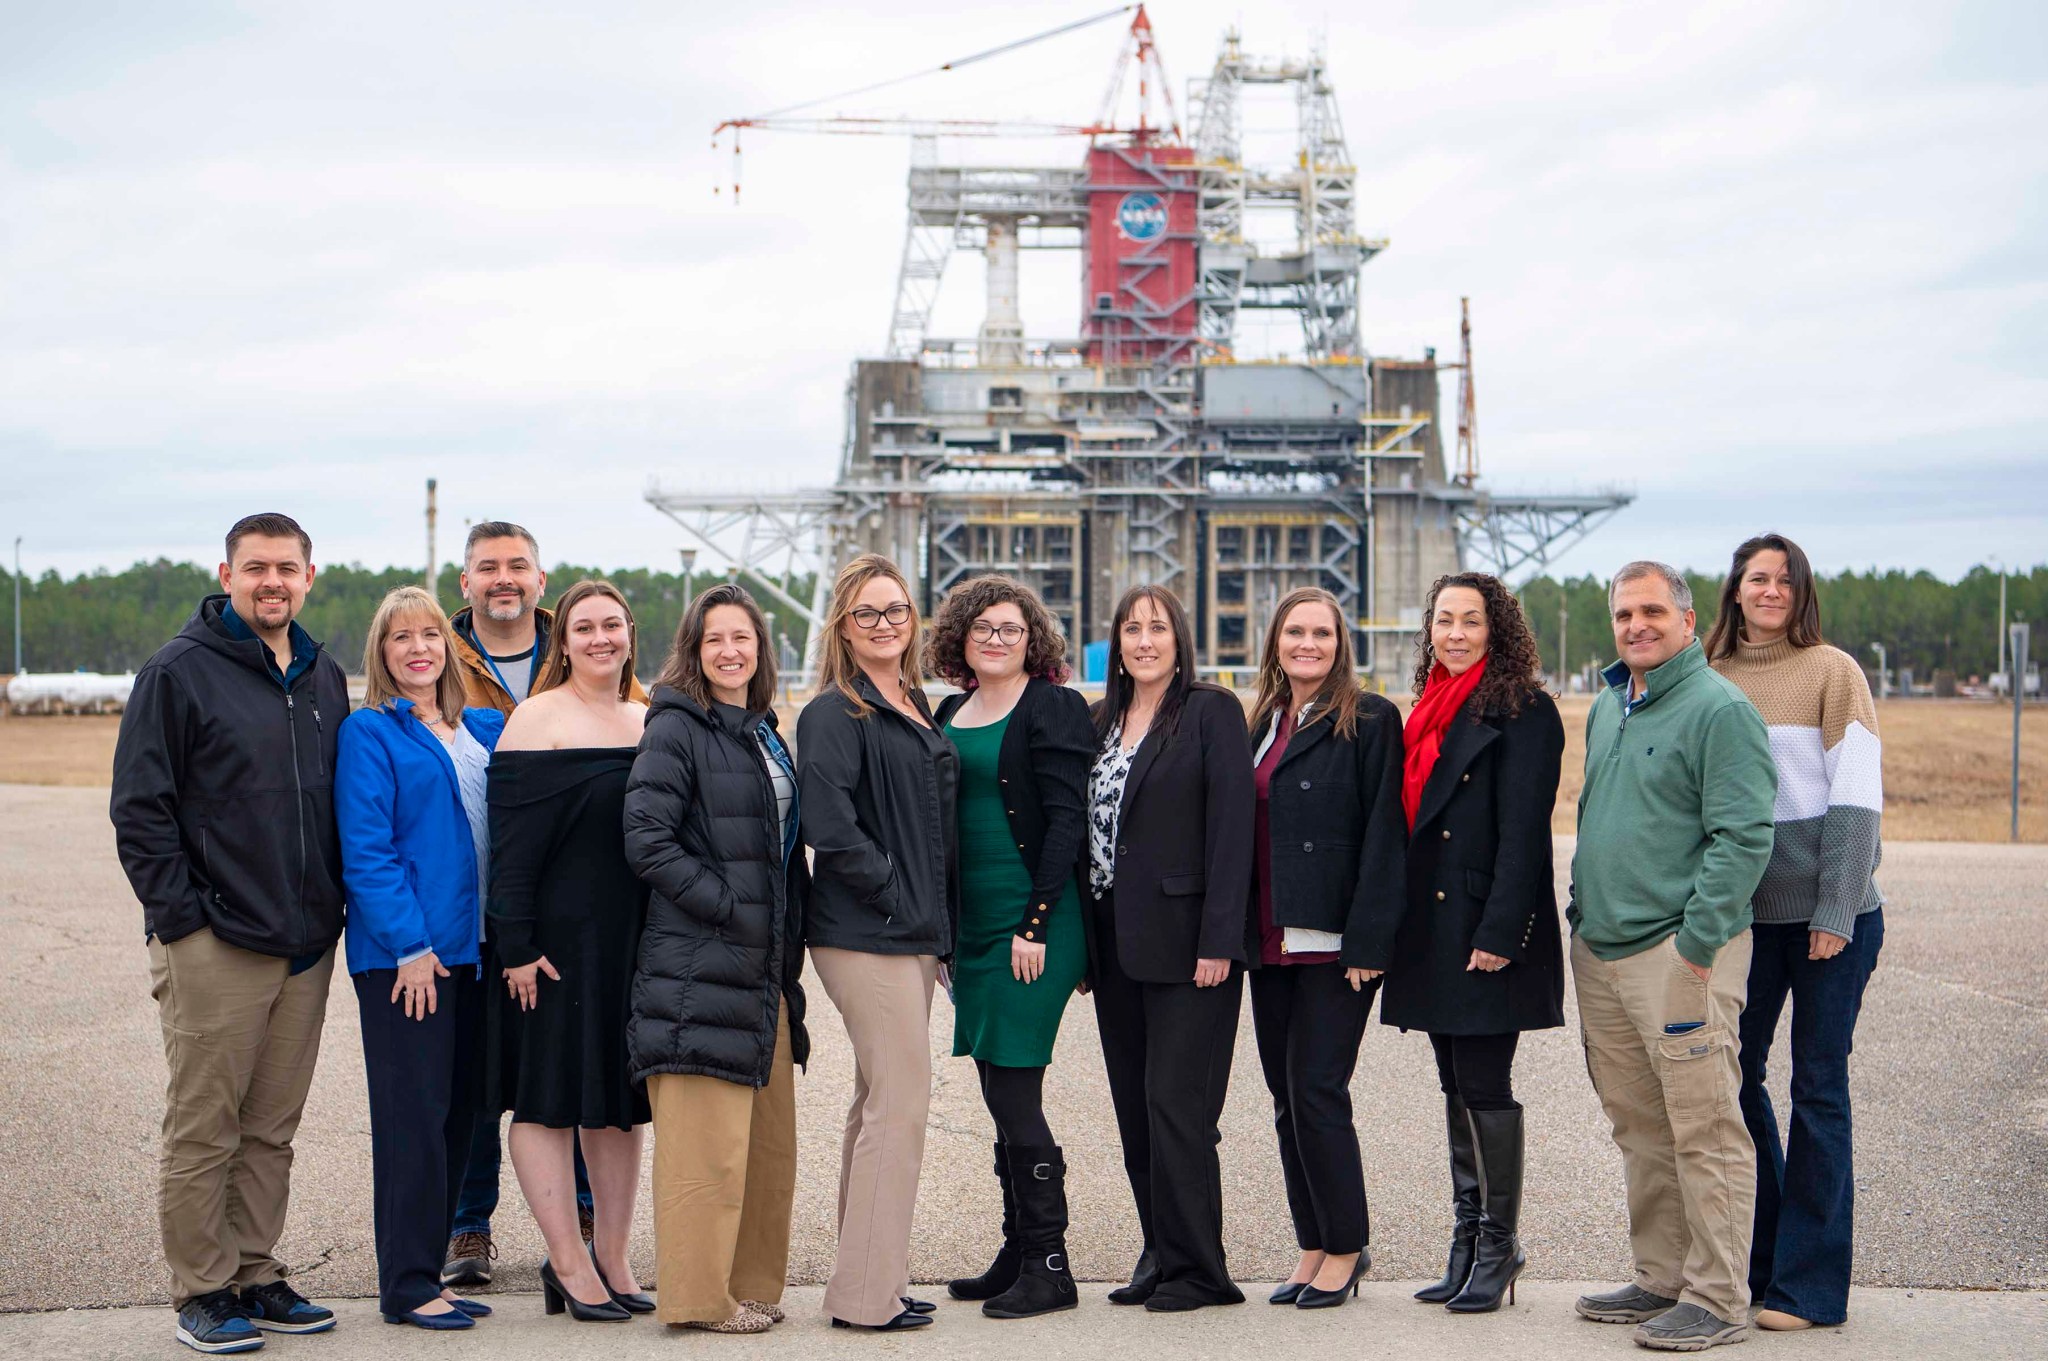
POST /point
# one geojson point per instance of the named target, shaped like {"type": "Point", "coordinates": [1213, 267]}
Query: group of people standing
{"type": "Point", "coordinates": [587, 906]}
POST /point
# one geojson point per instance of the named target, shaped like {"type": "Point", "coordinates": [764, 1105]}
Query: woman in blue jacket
{"type": "Point", "coordinates": [409, 796]}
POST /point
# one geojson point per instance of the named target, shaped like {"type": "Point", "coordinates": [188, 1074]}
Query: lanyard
{"type": "Point", "coordinates": [532, 662]}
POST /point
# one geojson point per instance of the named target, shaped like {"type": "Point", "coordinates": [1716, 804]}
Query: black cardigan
{"type": "Point", "coordinates": [1042, 768]}
{"type": "Point", "coordinates": [1480, 877]}
{"type": "Point", "coordinates": [722, 950]}
{"type": "Point", "coordinates": [1184, 844]}
{"type": "Point", "coordinates": [878, 795]}
{"type": "Point", "coordinates": [1336, 835]}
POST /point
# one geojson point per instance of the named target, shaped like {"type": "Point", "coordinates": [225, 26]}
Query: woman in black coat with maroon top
{"type": "Point", "coordinates": [1328, 895]}
{"type": "Point", "coordinates": [1478, 959]}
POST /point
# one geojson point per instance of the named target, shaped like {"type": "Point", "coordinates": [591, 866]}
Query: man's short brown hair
{"type": "Point", "coordinates": [271, 525]}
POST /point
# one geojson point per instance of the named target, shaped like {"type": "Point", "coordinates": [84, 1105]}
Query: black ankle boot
{"type": "Point", "coordinates": [1038, 1178]}
{"type": "Point", "coordinates": [1001, 1273]}
{"type": "Point", "coordinates": [1464, 1205]}
{"type": "Point", "coordinates": [1498, 1260]}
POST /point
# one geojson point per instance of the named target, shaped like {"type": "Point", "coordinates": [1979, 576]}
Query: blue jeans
{"type": "Point", "coordinates": [1806, 1187]}
{"type": "Point", "coordinates": [480, 1184]}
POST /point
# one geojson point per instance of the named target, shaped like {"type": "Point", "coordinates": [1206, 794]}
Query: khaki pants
{"type": "Point", "coordinates": [724, 1184]}
{"type": "Point", "coordinates": [241, 1036]}
{"type": "Point", "coordinates": [1688, 1160]}
{"type": "Point", "coordinates": [886, 1001]}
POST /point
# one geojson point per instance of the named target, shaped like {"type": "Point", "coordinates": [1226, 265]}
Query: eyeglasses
{"type": "Point", "coordinates": [1011, 634]}
{"type": "Point", "coordinates": [867, 618]}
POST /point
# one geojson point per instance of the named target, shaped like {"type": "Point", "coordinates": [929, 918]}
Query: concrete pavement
{"type": "Point", "coordinates": [1951, 1085]}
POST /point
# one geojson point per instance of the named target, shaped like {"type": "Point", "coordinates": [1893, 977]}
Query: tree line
{"type": "Point", "coordinates": [113, 621]}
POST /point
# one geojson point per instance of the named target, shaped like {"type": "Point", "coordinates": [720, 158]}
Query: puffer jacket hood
{"type": "Point", "coordinates": [723, 947]}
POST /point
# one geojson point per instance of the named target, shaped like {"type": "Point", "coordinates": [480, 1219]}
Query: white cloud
{"type": "Point", "coordinates": [1773, 263]}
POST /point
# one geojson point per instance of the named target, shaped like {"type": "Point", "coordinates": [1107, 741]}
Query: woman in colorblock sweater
{"type": "Point", "coordinates": [1819, 922]}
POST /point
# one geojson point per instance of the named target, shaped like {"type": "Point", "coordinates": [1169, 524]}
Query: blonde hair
{"type": "Point", "coordinates": [837, 665]}
{"type": "Point", "coordinates": [554, 666]}
{"type": "Point", "coordinates": [403, 602]}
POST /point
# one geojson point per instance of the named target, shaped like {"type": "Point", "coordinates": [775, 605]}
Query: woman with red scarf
{"type": "Point", "coordinates": [1478, 958]}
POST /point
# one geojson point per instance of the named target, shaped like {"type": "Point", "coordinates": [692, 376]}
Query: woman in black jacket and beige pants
{"type": "Point", "coordinates": [1169, 876]}
{"type": "Point", "coordinates": [717, 1025]}
{"type": "Point", "coordinates": [1479, 957]}
{"type": "Point", "coordinates": [878, 781]}
{"type": "Point", "coordinates": [1327, 897]}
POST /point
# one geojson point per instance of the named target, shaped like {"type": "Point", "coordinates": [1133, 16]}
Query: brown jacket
{"type": "Point", "coordinates": [480, 686]}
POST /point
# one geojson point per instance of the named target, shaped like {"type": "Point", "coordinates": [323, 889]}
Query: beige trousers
{"type": "Point", "coordinates": [724, 1184]}
{"type": "Point", "coordinates": [1688, 1160]}
{"type": "Point", "coordinates": [886, 1001]}
{"type": "Point", "coordinates": [241, 1036]}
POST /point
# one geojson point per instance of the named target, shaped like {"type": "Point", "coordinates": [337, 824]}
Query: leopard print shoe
{"type": "Point", "coordinates": [773, 1313]}
{"type": "Point", "coordinates": [745, 1321]}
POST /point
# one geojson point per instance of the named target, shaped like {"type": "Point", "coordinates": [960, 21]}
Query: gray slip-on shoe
{"type": "Point", "coordinates": [1688, 1328]}
{"type": "Point", "coordinates": [1629, 1304]}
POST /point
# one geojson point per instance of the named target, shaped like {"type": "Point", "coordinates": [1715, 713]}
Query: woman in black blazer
{"type": "Point", "coordinates": [1478, 959]}
{"type": "Point", "coordinates": [1169, 877]}
{"type": "Point", "coordinates": [1328, 891]}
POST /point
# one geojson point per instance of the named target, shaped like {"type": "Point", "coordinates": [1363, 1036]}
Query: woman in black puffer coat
{"type": "Point", "coordinates": [717, 1025]}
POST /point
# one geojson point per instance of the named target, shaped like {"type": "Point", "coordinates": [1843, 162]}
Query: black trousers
{"type": "Point", "coordinates": [1477, 1068]}
{"type": "Point", "coordinates": [1309, 1024]}
{"type": "Point", "coordinates": [425, 1082]}
{"type": "Point", "coordinates": [1167, 1048]}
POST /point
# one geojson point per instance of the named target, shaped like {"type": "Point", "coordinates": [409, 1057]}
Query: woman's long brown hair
{"type": "Point", "coordinates": [554, 666]}
{"type": "Point", "coordinates": [684, 669]}
{"type": "Point", "coordinates": [1803, 629]}
{"type": "Point", "coordinates": [1337, 698]}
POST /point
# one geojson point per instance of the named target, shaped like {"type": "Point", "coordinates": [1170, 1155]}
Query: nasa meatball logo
{"type": "Point", "coordinates": [1141, 217]}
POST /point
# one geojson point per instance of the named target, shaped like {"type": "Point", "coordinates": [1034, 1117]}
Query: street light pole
{"type": "Point", "coordinates": [17, 604]}
{"type": "Point", "coordinates": [1563, 645]}
{"type": "Point", "coordinates": [689, 557]}
{"type": "Point", "coordinates": [2001, 619]}
{"type": "Point", "coordinates": [2019, 667]}
{"type": "Point", "coordinates": [1878, 648]}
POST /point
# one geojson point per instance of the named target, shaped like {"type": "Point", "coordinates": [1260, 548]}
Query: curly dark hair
{"type": "Point", "coordinates": [1514, 667]}
{"type": "Point", "coordinates": [1044, 654]}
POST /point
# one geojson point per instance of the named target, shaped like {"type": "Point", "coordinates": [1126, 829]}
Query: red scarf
{"type": "Point", "coordinates": [1428, 721]}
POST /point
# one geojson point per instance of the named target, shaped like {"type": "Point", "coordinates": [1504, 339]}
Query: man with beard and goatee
{"type": "Point", "coordinates": [500, 637]}
{"type": "Point", "coordinates": [223, 817]}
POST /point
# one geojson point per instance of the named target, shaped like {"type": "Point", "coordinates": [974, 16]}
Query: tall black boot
{"type": "Point", "coordinates": [1499, 1260]}
{"type": "Point", "coordinates": [1464, 1205]}
{"type": "Point", "coordinates": [1044, 1284]}
{"type": "Point", "coordinates": [1002, 1273]}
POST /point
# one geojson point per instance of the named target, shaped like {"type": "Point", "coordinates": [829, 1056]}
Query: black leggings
{"type": "Point", "coordinates": [1476, 1068]}
{"type": "Point", "coordinates": [1016, 1098]}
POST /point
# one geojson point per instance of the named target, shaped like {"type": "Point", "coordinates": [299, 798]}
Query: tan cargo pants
{"type": "Point", "coordinates": [1687, 1158]}
{"type": "Point", "coordinates": [241, 1036]}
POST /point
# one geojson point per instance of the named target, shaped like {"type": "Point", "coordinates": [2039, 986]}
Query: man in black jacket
{"type": "Point", "coordinates": [224, 819]}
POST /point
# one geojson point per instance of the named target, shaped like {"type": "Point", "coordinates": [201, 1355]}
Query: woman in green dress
{"type": "Point", "coordinates": [1025, 744]}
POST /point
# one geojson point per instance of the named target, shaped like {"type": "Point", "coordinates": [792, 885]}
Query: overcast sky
{"type": "Point", "coordinates": [1767, 265]}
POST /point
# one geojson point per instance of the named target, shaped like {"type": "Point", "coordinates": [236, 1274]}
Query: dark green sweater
{"type": "Point", "coordinates": [1675, 816]}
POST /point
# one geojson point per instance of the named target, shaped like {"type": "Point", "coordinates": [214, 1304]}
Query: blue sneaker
{"type": "Point", "coordinates": [217, 1323]}
{"type": "Point", "coordinates": [278, 1308]}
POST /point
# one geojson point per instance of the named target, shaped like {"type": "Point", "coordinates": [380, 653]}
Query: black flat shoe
{"type": "Point", "coordinates": [474, 1308]}
{"type": "Point", "coordinates": [906, 1319]}
{"type": "Point", "coordinates": [555, 1298]}
{"type": "Point", "coordinates": [1144, 1280]}
{"type": "Point", "coordinates": [452, 1321]}
{"type": "Point", "coordinates": [1286, 1294]}
{"type": "Point", "coordinates": [918, 1306]}
{"type": "Point", "coordinates": [1312, 1298]}
{"type": "Point", "coordinates": [1174, 1304]}
{"type": "Point", "coordinates": [636, 1302]}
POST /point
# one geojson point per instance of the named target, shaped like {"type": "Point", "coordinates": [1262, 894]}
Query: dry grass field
{"type": "Point", "coordinates": [1947, 765]}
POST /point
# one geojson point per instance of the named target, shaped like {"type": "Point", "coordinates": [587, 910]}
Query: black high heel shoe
{"type": "Point", "coordinates": [635, 1302]}
{"type": "Point", "coordinates": [1312, 1298]}
{"type": "Point", "coordinates": [1287, 1292]}
{"type": "Point", "coordinates": [906, 1319]}
{"type": "Point", "coordinates": [917, 1306]}
{"type": "Point", "coordinates": [555, 1298]}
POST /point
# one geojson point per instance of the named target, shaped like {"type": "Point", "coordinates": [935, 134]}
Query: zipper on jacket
{"type": "Point", "coordinates": [299, 790]}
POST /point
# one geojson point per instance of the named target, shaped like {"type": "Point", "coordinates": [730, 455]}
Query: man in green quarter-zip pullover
{"type": "Point", "coordinates": [1674, 833]}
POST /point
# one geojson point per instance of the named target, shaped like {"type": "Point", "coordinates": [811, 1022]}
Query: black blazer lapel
{"type": "Point", "coordinates": [1462, 745]}
{"type": "Point", "coordinates": [1304, 739]}
{"type": "Point", "coordinates": [1148, 751]}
